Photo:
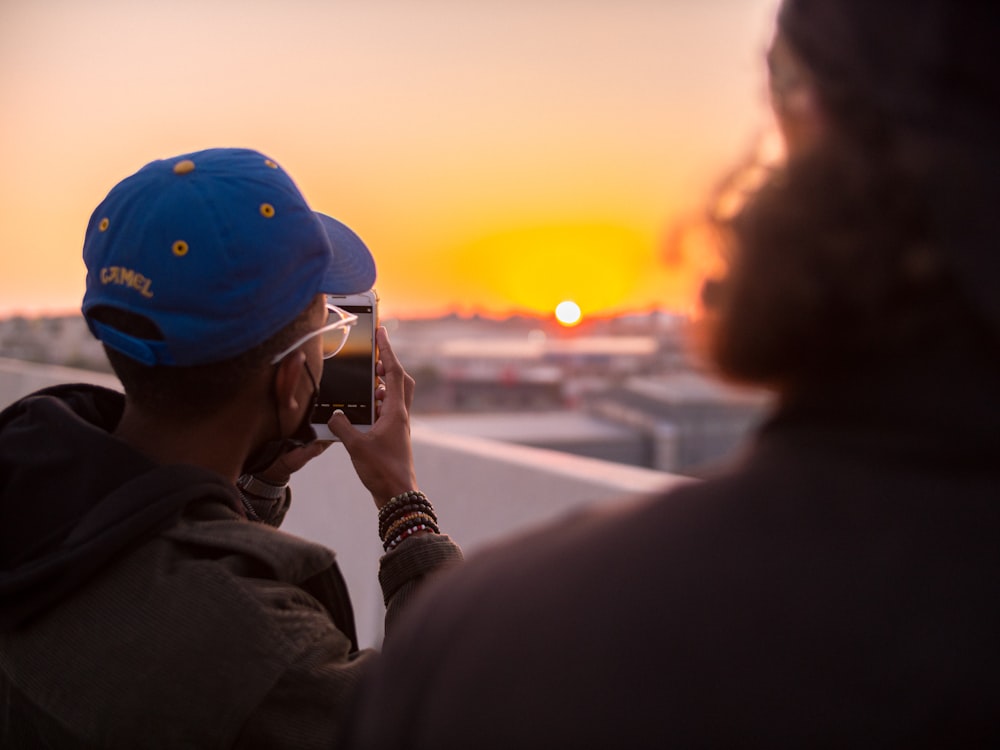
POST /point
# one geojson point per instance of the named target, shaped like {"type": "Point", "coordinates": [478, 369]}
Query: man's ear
{"type": "Point", "coordinates": [286, 381]}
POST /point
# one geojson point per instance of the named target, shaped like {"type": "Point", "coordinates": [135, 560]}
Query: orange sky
{"type": "Point", "coordinates": [496, 155]}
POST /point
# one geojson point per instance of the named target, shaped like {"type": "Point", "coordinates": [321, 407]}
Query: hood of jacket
{"type": "Point", "coordinates": [72, 496]}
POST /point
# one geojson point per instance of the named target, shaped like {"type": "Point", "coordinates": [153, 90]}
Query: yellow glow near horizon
{"type": "Point", "coordinates": [535, 268]}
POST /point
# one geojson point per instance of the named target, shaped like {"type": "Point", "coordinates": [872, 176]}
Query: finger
{"type": "Point", "coordinates": [387, 356]}
{"type": "Point", "coordinates": [408, 387]}
{"type": "Point", "coordinates": [392, 371]}
{"type": "Point", "coordinates": [301, 456]}
{"type": "Point", "coordinates": [316, 448]}
{"type": "Point", "coordinates": [379, 398]}
{"type": "Point", "coordinates": [342, 428]}
{"type": "Point", "coordinates": [289, 463]}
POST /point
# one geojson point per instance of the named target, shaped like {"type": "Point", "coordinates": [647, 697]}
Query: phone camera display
{"type": "Point", "coordinates": [348, 377]}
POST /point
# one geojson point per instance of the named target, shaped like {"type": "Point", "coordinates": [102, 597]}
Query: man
{"type": "Point", "coordinates": [147, 598]}
{"type": "Point", "coordinates": [840, 585]}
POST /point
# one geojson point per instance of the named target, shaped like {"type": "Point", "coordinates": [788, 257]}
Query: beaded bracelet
{"type": "Point", "coordinates": [399, 505]}
{"type": "Point", "coordinates": [410, 496]}
{"type": "Point", "coordinates": [393, 528]}
{"type": "Point", "coordinates": [404, 511]}
{"type": "Point", "coordinates": [390, 546]}
{"type": "Point", "coordinates": [403, 516]}
{"type": "Point", "coordinates": [401, 529]}
{"type": "Point", "coordinates": [412, 519]}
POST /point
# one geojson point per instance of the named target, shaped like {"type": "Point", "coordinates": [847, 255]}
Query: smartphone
{"type": "Point", "coordinates": [348, 380]}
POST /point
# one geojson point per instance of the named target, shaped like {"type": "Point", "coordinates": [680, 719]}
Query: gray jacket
{"type": "Point", "coordinates": [140, 608]}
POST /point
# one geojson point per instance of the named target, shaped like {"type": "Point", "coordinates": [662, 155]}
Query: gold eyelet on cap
{"type": "Point", "coordinates": [180, 248]}
{"type": "Point", "coordinates": [266, 210]}
{"type": "Point", "coordinates": [183, 167]}
{"type": "Point", "coordinates": [103, 226]}
{"type": "Point", "coordinates": [270, 164]}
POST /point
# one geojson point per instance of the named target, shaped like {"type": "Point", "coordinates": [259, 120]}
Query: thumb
{"type": "Point", "coordinates": [341, 427]}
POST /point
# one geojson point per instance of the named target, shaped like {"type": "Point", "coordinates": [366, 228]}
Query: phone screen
{"type": "Point", "coordinates": [348, 378]}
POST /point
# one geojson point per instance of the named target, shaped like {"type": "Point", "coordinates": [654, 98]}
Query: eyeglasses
{"type": "Point", "coordinates": [334, 334]}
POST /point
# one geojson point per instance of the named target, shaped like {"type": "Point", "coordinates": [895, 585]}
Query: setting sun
{"type": "Point", "coordinates": [568, 313]}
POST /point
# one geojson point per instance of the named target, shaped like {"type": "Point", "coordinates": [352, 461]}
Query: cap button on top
{"type": "Point", "coordinates": [183, 167]}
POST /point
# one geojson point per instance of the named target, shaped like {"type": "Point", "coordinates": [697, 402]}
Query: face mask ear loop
{"type": "Point", "coordinates": [272, 450]}
{"type": "Point", "coordinates": [274, 398]}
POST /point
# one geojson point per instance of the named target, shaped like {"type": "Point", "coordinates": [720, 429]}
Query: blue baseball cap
{"type": "Point", "coordinates": [219, 250]}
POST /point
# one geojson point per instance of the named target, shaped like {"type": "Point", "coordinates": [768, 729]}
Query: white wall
{"type": "Point", "coordinates": [21, 378]}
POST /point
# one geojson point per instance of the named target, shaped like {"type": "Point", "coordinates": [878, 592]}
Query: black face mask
{"type": "Point", "coordinates": [272, 450]}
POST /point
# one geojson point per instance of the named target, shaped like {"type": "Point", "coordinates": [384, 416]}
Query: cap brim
{"type": "Point", "coordinates": [352, 268]}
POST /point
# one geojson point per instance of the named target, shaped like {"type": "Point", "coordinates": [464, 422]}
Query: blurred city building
{"type": "Point", "coordinates": [622, 389]}
{"type": "Point", "coordinates": [63, 340]}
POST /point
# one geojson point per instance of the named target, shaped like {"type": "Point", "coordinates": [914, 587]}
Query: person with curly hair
{"type": "Point", "coordinates": [837, 586]}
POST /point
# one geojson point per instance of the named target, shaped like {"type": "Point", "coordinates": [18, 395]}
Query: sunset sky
{"type": "Point", "coordinates": [496, 155]}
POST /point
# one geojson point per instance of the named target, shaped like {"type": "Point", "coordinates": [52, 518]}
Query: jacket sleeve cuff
{"type": "Point", "coordinates": [413, 559]}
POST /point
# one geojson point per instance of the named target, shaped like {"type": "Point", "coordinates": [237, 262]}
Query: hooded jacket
{"type": "Point", "coordinates": [140, 607]}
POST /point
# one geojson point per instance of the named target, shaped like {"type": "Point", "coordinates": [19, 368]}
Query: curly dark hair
{"type": "Point", "coordinates": [831, 258]}
{"type": "Point", "coordinates": [837, 255]}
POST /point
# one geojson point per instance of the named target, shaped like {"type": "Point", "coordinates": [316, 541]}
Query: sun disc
{"type": "Point", "coordinates": [568, 313]}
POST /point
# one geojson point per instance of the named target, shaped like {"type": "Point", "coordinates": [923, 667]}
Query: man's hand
{"type": "Point", "coordinates": [382, 457]}
{"type": "Point", "coordinates": [282, 469]}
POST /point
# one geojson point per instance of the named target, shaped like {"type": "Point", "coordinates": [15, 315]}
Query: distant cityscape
{"type": "Point", "coordinates": [623, 389]}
